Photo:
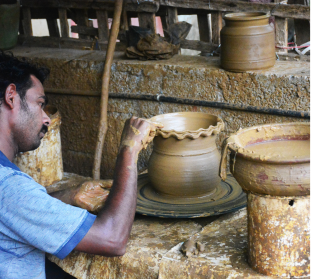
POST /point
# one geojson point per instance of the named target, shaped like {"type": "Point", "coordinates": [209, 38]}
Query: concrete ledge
{"type": "Point", "coordinates": [75, 84]}
{"type": "Point", "coordinates": [154, 251]}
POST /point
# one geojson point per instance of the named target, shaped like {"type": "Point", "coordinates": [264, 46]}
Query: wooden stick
{"type": "Point", "coordinates": [103, 127]}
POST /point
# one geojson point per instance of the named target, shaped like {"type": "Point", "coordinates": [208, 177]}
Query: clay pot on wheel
{"type": "Point", "coordinates": [185, 159]}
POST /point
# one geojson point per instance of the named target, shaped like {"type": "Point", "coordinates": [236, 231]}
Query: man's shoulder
{"type": "Point", "coordinates": [9, 173]}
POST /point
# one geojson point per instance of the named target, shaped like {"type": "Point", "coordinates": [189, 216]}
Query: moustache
{"type": "Point", "coordinates": [44, 129]}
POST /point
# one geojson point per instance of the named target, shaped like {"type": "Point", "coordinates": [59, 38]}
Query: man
{"type": "Point", "coordinates": [33, 223]}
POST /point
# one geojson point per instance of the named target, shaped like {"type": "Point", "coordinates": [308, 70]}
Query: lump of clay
{"type": "Point", "coordinates": [92, 195]}
{"type": "Point", "coordinates": [190, 247]}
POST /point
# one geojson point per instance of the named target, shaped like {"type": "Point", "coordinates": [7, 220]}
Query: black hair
{"type": "Point", "coordinates": [18, 72]}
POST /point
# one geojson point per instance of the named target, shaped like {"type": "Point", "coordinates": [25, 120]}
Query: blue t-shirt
{"type": "Point", "coordinates": [33, 223]}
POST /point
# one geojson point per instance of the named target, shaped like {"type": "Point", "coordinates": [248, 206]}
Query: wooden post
{"type": "Point", "coordinates": [281, 33]}
{"type": "Point", "coordinates": [64, 28]}
{"type": "Point", "coordinates": [147, 20]}
{"type": "Point", "coordinates": [53, 28]}
{"type": "Point", "coordinates": [82, 20]}
{"type": "Point", "coordinates": [216, 27]}
{"type": "Point", "coordinates": [203, 29]}
{"type": "Point", "coordinates": [103, 25]}
{"type": "Point", "coordinates": [27, 21]}
{"type": "Point", "coordinates": [172, 16]}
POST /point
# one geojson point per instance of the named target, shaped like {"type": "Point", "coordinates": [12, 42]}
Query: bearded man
{"type": "Point", "coordinates": [33, 223]}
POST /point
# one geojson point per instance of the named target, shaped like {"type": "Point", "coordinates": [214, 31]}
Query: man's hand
{"type": "Point", "coordinates": [138, 133]}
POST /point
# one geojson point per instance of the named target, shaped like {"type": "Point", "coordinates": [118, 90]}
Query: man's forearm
{"type": "Point", "coordinates": [113, 223]}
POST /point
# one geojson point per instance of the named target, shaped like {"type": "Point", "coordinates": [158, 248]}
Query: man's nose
{"type": "Point", "coordinates": [46, 119]}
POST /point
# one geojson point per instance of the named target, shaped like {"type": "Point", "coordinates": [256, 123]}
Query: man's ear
{"type": "Point", "coordinates": [10, 95]}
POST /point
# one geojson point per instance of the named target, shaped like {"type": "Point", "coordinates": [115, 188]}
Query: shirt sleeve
{"type": "Point", "coordinates": [33, 217]}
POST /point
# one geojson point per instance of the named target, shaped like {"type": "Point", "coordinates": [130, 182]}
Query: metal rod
{"type": "Point", "coordinates": [166, 99]}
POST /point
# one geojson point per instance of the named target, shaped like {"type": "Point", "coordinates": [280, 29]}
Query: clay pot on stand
{"type": "Point", "coordinates": [185, 159]}
{"type": "Point", "coordinates": [247, 42]}
{"type": "Point", "coordinates": [272, 165]}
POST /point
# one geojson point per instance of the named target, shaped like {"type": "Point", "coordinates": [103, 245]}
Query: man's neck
{"type": "Point", "coordinates": [8, 153]}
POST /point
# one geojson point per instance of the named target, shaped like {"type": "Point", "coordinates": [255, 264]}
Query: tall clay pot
{"type": "Point", "coordinates": [185, 159]}
{"type": "Point", "coordinates": [247, 42]}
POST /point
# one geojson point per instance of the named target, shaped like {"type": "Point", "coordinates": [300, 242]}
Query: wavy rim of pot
{"type": "Point", "coordinates": [192, 134]}
{"type": "Point", "coordinates": [242, 152]}
{"type": "Point", "coordinates": [246, 16]}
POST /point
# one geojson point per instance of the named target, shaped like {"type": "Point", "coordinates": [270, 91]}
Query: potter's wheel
{"type": "Point", "coordinates": [227, 197]}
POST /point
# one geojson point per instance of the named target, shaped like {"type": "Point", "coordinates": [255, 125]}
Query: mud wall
{"type": "Point", "coordinates": [75, 83]}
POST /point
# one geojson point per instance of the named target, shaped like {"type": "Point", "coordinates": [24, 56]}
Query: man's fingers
{"type": "Point", "coordinates": [156, 124]}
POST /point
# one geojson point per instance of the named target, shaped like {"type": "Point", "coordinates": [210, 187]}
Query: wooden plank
{"type": "Point", "coordinates": [281, 33]}
{"type": "Point", "coordinates": [203, 28]}
{"type": "Point", "coordinates": [27, 21]}
{"type": "Point", "coordinates": [172, 16]}
{"type": "Point", "coordinates": [71, 43]}
{"type": "Point", "coordinates": [285, 11]}
{"type": "Point", "coordinates": [216, 26]}
{"type": "Point", "coordinates": [146, 6]}
{"type": "Point", "coordinates": [53, 27]}
{"type": "Point", "coordinates": [198, 45]}
{"type": "Point", "coordinates": [147, 20]}
{"type": "Point", "coordinates": [85, 30]}
{"type": "Point", "coordinates": [64, 28]}
{"type": "Point", "coordinates": [103, 25]}
{"type": "Point", "coordinates": [82, 20]}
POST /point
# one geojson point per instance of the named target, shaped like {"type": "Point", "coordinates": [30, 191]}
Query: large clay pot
{"type": "Point", "coordinates": [247, 42]}
{"type": "Point", "coordinates": [45, 164]}
{"type": "Point", "coordinates": [280, 168]}
{"type": "Point", "coordinates": [185, 159]}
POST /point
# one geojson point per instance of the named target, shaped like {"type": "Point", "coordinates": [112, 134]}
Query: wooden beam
{"type": "Point", "coordinates": [82, 20]}
{"type": "Point", "coordinates": [198, 45]}
{"type": "Point", "coordinates": [172, 16]}
{"type": "Point", "coordinates": [85, 30]}
{"type": "Point", "coordinates": [53, 27]}
{"type": "Point", "coordinates": [146, 6]}
{"type": "Point", "coordinates": [216, 27]}
{"type": "Point", "coordinates": [147, 20]}
{"type": "Point", "coordinates": [70, 43]}
{"type": "Point", "coordinates": [64, 28]}
{"type": "Point", "coordinates": [103, 25]}
{"type": "Point", "coordinates": [281, 33]}
{"type": "Point", "coordinates": [285, 11]}
{"type": "Point", "coordinates": [203, 28]}
{"type": "Point", "coordinates": [27, 21]}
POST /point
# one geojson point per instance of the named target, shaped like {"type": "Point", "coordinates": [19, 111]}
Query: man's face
{"type": "Point", "coordinates": [32, 121]}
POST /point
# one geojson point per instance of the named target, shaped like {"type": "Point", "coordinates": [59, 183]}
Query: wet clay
{"type": "Point", "coordinates": [191, 247]}
{"type": "Point", "coordinates": [185, 159]}
{"type": "Point", "coordinates": [285, 149]}
{"type": "Point", "coordinates": [270, 159]}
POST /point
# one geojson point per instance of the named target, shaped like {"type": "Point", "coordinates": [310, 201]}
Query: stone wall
{"type": "Point", "coordinates": [75, 83]}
